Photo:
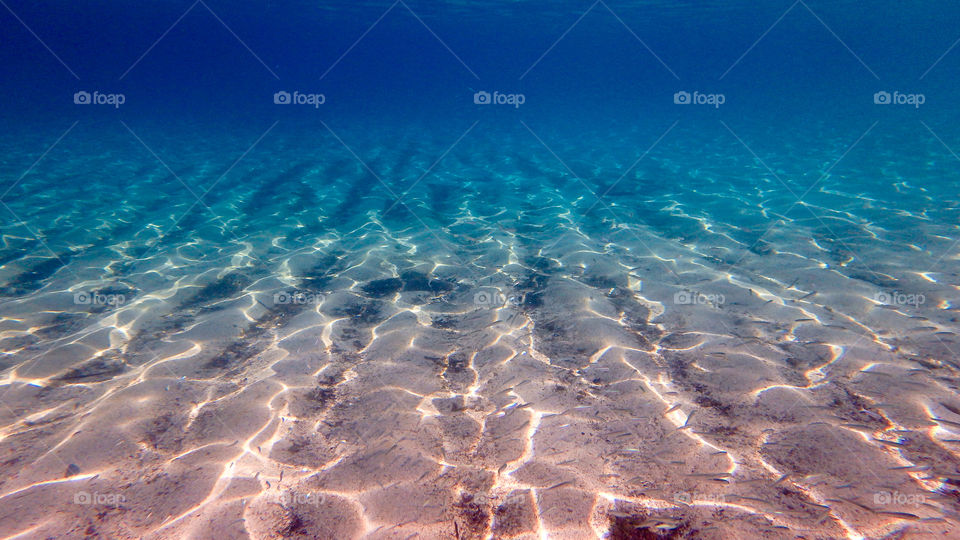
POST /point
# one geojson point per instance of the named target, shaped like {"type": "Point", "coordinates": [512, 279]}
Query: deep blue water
{"type": "Point", "coordinates": [716, 239]}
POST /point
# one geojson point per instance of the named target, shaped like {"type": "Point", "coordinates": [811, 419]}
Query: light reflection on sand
{"type": "Point", "coordinates": [512, 373]}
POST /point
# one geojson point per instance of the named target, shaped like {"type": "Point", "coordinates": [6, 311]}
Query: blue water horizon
{"type": "Point", "coordinates": [446, 269]}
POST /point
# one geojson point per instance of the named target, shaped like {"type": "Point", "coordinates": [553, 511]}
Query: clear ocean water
{"type": "Point", "coordinates": [445, 269]}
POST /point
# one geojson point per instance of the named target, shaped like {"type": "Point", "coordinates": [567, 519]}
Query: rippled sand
{"type": "Point", "coordinates": [496, 355]}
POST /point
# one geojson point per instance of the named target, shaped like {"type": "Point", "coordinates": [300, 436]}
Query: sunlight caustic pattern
{"type": "Point", "coordinates": [658, 330]}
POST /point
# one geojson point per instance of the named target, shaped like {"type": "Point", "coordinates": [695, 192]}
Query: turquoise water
{"type": "Point", "coordinates": [499, 270]}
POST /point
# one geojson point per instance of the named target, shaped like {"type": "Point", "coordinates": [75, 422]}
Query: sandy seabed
{"type": "Point", "coordinates": [481, 360]}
